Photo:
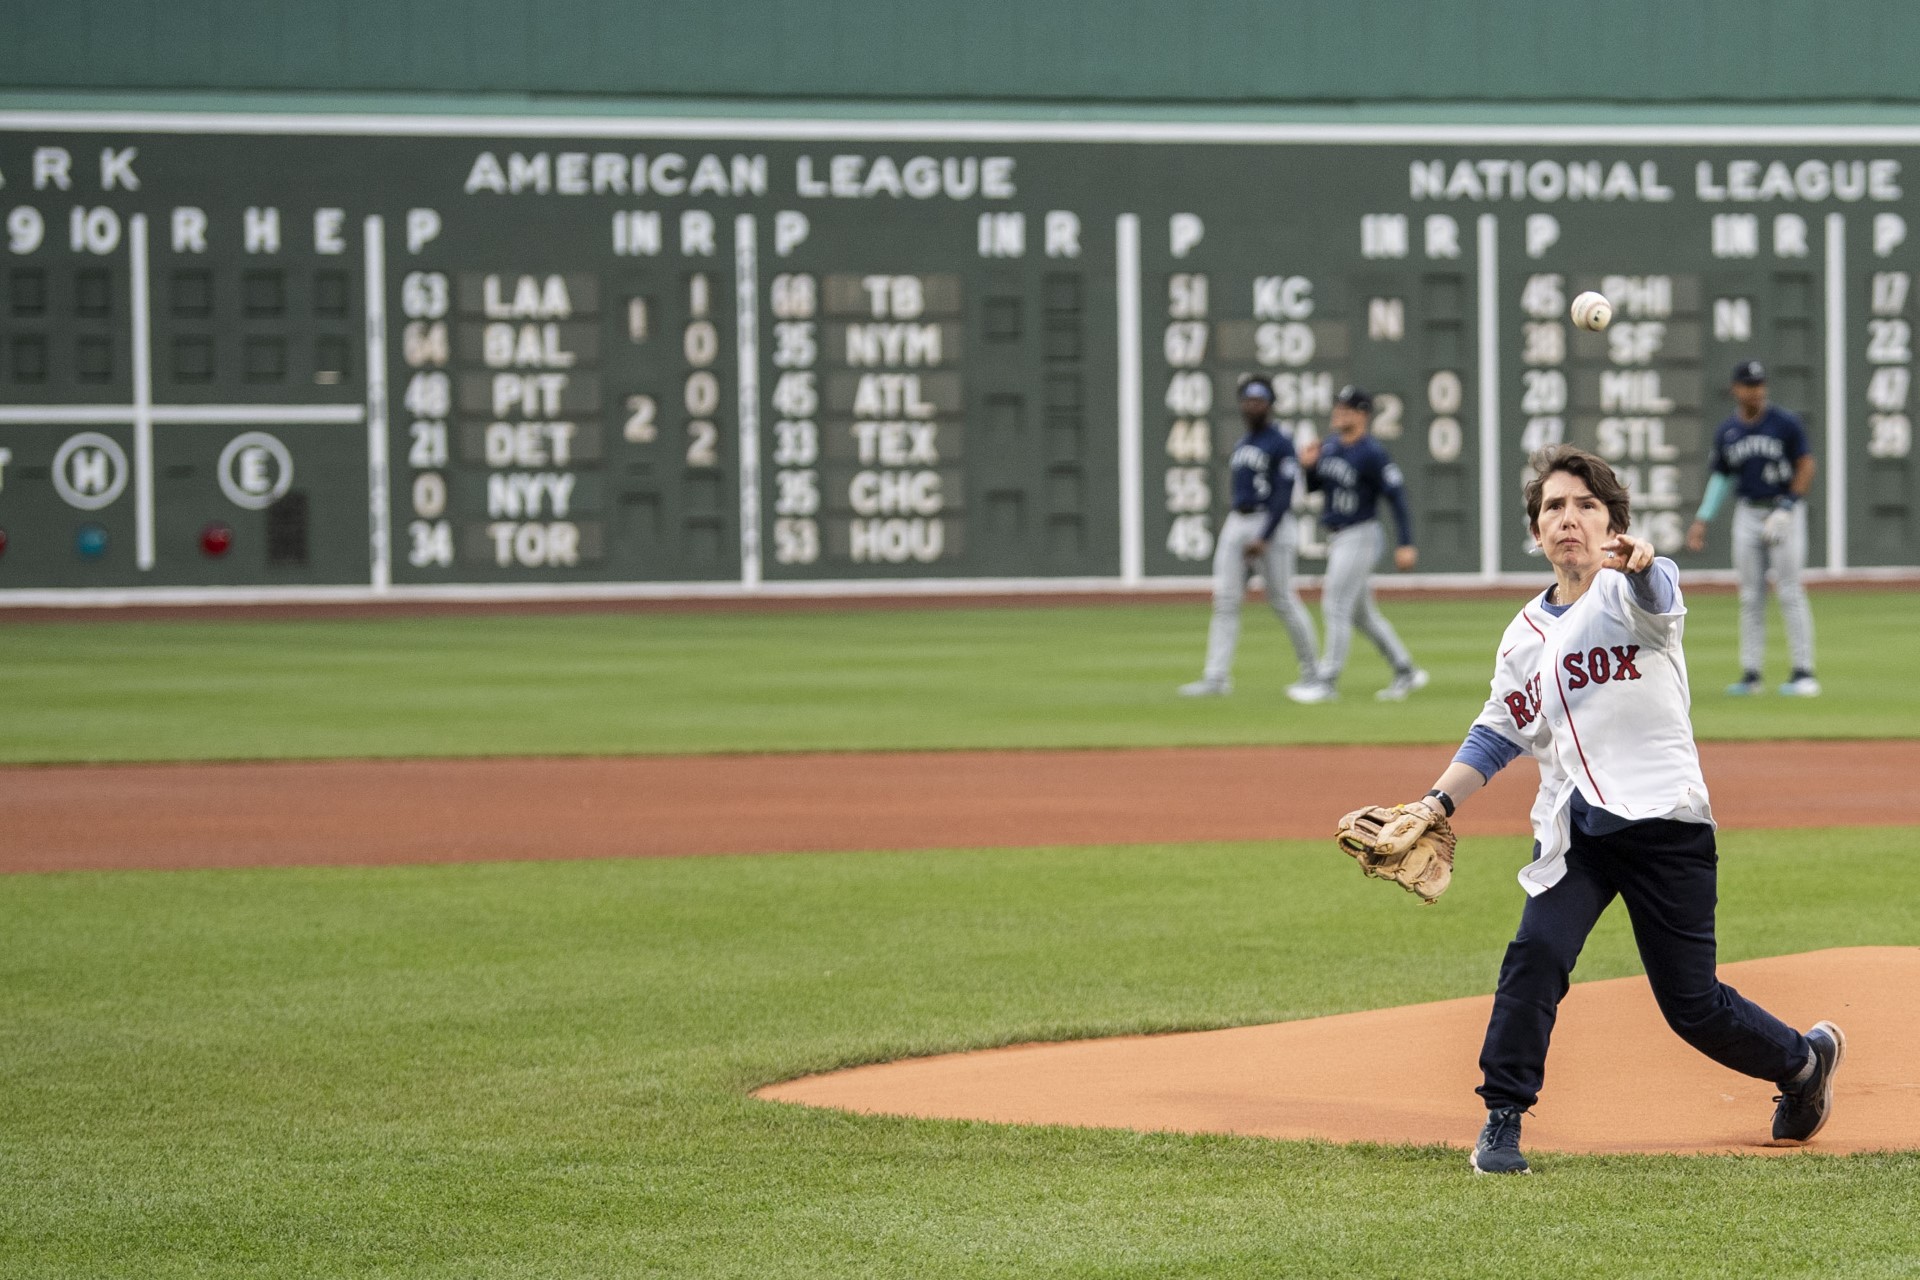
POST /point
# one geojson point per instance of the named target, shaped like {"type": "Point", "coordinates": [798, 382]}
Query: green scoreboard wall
{"type": "Point", "coordinates": [361, 355]}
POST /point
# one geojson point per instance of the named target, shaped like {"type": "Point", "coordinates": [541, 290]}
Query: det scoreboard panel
{"type": "Point", "coordinates": [386, 354]}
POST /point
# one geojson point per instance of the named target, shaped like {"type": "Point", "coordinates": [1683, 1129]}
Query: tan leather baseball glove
{"type": "Point", "coordinates": [1410, 844]}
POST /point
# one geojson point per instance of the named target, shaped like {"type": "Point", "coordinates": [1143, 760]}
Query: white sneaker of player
{"type": "Point", "coordinates": [1403, 684]}
{"type": "Point", "coordinates": [1206, 689]}
{"type": "Point", "coordinates": [1801, 687]}
{"type": "Point", "coordinates": [1312, 691]}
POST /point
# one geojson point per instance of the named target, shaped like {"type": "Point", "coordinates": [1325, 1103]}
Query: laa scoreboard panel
{"type": "Point", "coordinates": [372, 354]}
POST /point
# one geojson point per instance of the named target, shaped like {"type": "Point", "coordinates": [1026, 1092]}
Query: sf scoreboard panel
{"type": "Point", "coordinates": [373, 354]}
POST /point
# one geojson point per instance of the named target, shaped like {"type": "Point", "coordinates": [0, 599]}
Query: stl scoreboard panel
{"type": "Point", "coordinates": [391, 354]}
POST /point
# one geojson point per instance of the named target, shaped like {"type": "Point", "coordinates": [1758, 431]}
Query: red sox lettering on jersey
{"type": "Point", "coordinates": [1599, 697]}
{"type": "Point", "coordinates": [1596, 665]}
{"type": "Point", "coordinates": [1524, 703]}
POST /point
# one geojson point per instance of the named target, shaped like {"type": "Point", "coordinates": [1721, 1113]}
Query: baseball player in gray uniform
{"type": "Point", "coordinates": [1256, 534]}
{"type": "Point", "coordinates": [1761, 453]}
{"type": "Point", "coordinates": [1353, 470]}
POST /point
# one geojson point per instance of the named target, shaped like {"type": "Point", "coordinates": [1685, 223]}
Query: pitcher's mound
{"type": "Point", "coordinates": [1617, 1080]}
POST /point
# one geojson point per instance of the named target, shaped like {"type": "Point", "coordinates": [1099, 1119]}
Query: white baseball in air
{"type": "Point", "coordinates": [1592, 311]}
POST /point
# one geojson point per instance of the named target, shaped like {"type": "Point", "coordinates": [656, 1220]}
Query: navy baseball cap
{"type": "Point", "coordinates": [1355, 398]}
{"type": "Point", "coordinates": [1750, 373]}
{"type": "Point", "coordinates": [1254, 385]}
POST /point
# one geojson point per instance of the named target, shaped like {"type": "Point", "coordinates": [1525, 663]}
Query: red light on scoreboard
{"type": "Point", "coordinates": [216, 539]}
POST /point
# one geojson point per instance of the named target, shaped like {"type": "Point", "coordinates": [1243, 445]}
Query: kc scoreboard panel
{"type": "Point", "coordinates": [379, 354]}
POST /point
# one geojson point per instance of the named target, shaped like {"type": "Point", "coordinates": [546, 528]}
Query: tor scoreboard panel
{"type": "Point", "coordinates": [362, 355]}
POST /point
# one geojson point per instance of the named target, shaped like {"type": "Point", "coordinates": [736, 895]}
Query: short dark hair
{"type": "Point", "coordinates": [1590, 467]}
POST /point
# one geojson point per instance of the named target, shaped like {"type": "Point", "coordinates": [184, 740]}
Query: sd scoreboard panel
{"type": "Point", "coordinates": [245, 356]}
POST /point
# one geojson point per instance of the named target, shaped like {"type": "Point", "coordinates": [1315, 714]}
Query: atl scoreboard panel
{"type": "Point", "coordinates": [352, 354]}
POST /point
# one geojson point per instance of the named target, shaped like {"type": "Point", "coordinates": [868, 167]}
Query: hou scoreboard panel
{"type": "Point", "coordinates": [381, 354]}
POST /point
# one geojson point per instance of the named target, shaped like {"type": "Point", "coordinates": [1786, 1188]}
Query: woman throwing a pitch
{"type": "Point", "coordinates": [1591, 681]}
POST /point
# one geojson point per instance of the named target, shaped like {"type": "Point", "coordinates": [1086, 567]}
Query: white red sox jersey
{"type": "Point", "coordinates": [1598, 696]}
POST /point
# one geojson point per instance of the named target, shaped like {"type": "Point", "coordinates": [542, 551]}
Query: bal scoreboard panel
{"type": "Point", "coordinates": [382, 354]}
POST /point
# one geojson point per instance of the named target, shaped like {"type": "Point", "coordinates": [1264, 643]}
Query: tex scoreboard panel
{"type": "Point", "coordinates": [377, 354]}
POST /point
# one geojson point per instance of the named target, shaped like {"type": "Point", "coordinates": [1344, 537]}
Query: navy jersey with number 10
{"type": "Point", "coordinates": [1354, 477]}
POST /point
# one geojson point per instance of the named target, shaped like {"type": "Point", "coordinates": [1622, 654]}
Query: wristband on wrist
{"type": "Point", "coordinates": [1786, 501]}
{"type": "Point", "coordinates": [1446, 801]}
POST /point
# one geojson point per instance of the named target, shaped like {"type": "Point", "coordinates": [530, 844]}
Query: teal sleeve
{"type": "Point", "coordinates": [1717, 486]}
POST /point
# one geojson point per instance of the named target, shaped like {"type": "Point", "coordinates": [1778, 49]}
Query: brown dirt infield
{"type": "Point", "coordinates": [362, 812]}
{"type": "Point", "coordinates": [1617, 1081]}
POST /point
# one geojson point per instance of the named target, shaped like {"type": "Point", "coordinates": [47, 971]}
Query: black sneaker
{"type": "Point", "coordinates": [1498, 1150]}
{"type": "Point", "coordinates": [1804, 1107]}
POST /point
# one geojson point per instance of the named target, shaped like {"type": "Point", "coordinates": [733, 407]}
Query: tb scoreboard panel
{"type": "Point", "coordinates": [383, 354]}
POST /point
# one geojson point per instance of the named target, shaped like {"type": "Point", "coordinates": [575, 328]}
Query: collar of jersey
{"type": "Point", "coordinates": [1553, 610]}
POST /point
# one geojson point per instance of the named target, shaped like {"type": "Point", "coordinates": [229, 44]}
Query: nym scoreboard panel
{"type": "Point", "coordinates": [355, 354]}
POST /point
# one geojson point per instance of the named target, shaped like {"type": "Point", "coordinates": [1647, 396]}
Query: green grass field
{"type": "Point", "coordinates": [1097, 675]}
{"type": "Point", "coordinates": [541, 1070]}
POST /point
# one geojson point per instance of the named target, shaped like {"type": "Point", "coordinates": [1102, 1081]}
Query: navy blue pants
{"type": "Point", "coordinates": [1666, 872]}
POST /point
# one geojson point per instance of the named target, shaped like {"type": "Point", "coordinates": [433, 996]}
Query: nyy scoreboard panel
{"type": "Point", "coordinates": [381, 354]}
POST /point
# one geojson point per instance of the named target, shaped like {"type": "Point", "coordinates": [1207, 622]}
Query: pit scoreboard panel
{"type": "Point", "coordinates": [356, 355]}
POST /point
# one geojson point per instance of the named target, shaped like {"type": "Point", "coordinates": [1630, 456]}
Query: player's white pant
{"type": "Point", "coordinates": [1751, 559]}
{"type": "Point", "coordinates": [1231, 570]}
{"type": "Point", "coordinates": [1347, 597]}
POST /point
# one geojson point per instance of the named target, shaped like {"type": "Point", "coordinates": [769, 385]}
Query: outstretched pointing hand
{"type": "Point", "coordinates": [1629, 555]}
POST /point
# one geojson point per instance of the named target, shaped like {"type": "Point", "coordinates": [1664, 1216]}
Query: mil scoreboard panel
{"type": "Point", "coordinates": [356, 354]}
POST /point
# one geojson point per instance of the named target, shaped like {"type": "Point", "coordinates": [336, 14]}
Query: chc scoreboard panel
{"type": "Point", "coordinates": [385, 354]}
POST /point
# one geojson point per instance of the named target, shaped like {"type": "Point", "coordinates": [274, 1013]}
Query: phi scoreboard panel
{"type": "Point", "coordinates": [356, 354]}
